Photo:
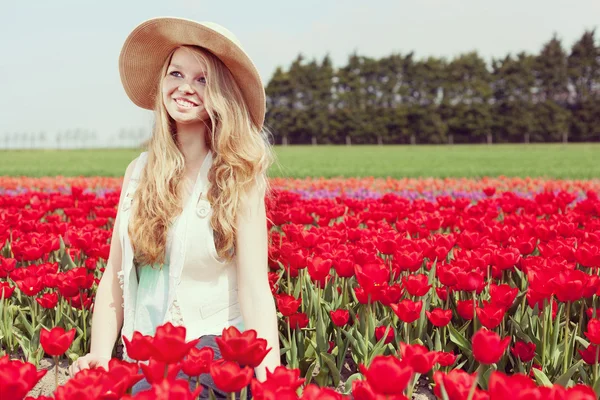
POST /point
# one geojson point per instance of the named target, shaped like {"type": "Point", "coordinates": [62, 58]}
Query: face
{"type": "Point", "coordinates": [183, 88]}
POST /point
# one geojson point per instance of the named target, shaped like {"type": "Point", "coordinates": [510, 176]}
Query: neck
{"type": "Point", "coordinates": [192, 143]}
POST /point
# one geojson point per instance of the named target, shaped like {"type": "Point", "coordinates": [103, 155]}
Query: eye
{"type": "Point", "coordinates": [202, 79]}
{"type": "Point", "coordinates": [174, 72]}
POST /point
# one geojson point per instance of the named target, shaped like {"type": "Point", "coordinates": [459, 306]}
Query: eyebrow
{"type": "Point", "coordinates": [180, 67]}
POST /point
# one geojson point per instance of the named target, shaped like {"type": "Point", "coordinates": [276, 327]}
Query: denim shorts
{"type": "Point", "coordinates": [206, 381]}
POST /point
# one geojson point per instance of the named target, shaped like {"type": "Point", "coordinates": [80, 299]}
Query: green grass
{"type": "Point", "coordinates": [574, 161]}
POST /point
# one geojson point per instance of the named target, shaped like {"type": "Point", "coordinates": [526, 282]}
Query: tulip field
{"type": "Point", "coordinates": [470, 289]}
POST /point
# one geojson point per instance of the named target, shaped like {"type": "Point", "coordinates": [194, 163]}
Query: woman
{"type": "Point", "coordinates": [189, 244]}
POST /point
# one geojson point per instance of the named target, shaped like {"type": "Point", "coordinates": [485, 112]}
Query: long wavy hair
{"type": "Point", "coordinates": [242, 156]}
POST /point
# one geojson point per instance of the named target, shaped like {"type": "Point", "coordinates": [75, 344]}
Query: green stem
{"type": "Point", "coordinates": [289, 280]}
{"type": "Point", "coordinates": [580, 325]}
{"type": "Point", "coordinates": [474, 387]}
{"type": "Point", "coordinates": [596, 366]}
{"type": "Point", "coordinates": [544, 334]}
{"type": "Point", "coordinates": [412, 384]}
{"type": "Point", "coordinates": [293, 357]}
{"type": "Point", "coordinates": [566, 359]}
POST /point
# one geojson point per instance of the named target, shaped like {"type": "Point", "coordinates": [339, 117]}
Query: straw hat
{"type": "Point", "coordinates": [149, 44]}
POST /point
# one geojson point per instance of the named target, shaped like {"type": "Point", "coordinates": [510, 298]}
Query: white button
{"type": "Point", "coordinates": [202, 208]}
{"type": "Point", "coordinates": [202, 211]}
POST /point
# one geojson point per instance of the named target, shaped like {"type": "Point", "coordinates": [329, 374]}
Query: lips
{"type": "Point", "coordinates": [187, 100]}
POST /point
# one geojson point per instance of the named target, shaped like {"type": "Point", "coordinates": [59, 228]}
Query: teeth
{"type": "Point", "coordinates": [185, 103]}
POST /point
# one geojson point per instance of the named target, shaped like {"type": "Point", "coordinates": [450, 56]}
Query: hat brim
{"type": "Point", "coordinates": [149, 44]}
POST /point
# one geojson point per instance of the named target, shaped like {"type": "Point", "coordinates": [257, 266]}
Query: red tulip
{"type": "Point", "coordinates": [465, 309]}
{"type": "Point", "coordinates": [169, 345]}
{"type": "Point", "coordinates": [488, 348]}
{"type": "Point", "coordinates": [569, 285]}
{"type": "Point", "coordinates": [6, 290]}
{"type": "Point", "coordinates": [387, 375]}
{"type": "Point", "coordinates": [515, 386]}
{"type": "Point", "coordinates": [340, 317]}
{"type": "Point", "coordinates": [371, 275]}
{"type": "Point", "coordinates": [298, 321]}
{"type": "Point", "coordinates": [154, 370]}
{"type": "Point", "coordinates": [242, 347]}
{"type": "Point", "coordinates": [589, 354]}
{"type": "Point", "coordinates": [287, 304]}
{"type": "Point", "coordinates": [490, 316]}
{"type": "Point", "coordinates": [229, 377]}
{"type": "Point", "coordinates": [593, 331]}
{"type": "Point", "coordinates": [457, 384]}
{"type": "Point", "coordinates": [318, 269]}
{"type": "Point", "coordinates": [262, 391]}
{"type": "Point", "coordinates": [362, 390]}
{"type": "Point", "coordinates": [198, 361]}
{"type": "Point", "coordinates": [523, 351]}
{"type": "Point", "coordinates": [417, 285]}
{"type": "Point", "coordinates": [48, 300]}
{"type": "Point", "coordinates": [439, 317]}
{"type": "Point", "coordinates": [380, 331]}
{"type": "Point", "coordinates": [170, 389]}
{"type": "Point", "coordinates": [30, 285]}
{"type": "Point", "coordinates": [471, 281]}
{"type": "Point", "coordinates": [445, 359]}
{"type": "Point", "coordinates": [418, 357]}
{"type": "Point", "coordinates": [17, 378]}
{"type": "Point", "coordinates": [56, 341]}
{"type": "Point", "coordinates": [314, 392]}
{"type": "Point", "coordinates": [344, 268]}
{"type": "Point", "coordinates": [282, 377]}
{"type": "Point", "coordinates": [408, 311]}
{"type": "Point", "coordinates": [503, 295]}
{"type": "Point", "coordinates": [140, 346]}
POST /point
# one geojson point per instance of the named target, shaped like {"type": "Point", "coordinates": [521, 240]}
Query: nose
{"type": "Point", "coordinates": [186, 88]}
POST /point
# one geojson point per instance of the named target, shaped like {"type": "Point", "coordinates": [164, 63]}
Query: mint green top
{"type": "Point", "coordinates": [152, 295]}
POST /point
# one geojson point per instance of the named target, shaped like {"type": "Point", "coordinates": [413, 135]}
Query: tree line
{"type": "Point", "coordinates": [547, 97]}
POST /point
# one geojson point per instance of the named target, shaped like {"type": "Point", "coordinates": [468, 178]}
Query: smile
{"type": "Point", "coordinates": [184, 103]}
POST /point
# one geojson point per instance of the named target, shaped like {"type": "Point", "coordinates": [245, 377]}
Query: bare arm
{"type": "Point", "coordinates": [253, 279]}
{"type": "Point", "coordinates": [107, 318]}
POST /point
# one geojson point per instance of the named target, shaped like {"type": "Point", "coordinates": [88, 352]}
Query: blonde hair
{"type": "Point", "coordinates": [242, 155]}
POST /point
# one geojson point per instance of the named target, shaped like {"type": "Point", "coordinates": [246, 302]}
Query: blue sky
{"type": "Point", "coordinates": [58, 68]}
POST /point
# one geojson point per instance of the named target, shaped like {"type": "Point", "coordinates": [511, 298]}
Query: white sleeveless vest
{"type": "Point", "coordinates": [203, 285]}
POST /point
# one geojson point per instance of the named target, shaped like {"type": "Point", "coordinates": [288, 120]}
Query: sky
{"type": "Point", "coordinates": [59, 62]}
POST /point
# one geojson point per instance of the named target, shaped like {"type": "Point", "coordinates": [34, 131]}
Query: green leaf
{"type": "Point", "coordinates": [597, 388]}
{"type": "Point", "coordinates": [321, 331]}
{"type": "Point", "coordinates": [21, 317]}
{"type": "Point", "coordinates": [541, 378]}
{"type": "Point", "coordinates": [462, 343]}
{"type": "Point", "coordinates": [520, 334]}
{"type": "Point", "coordinates": [309, 371]}
{"type": "Point", "coordinates": [432, 272]}
{"type": "Point", "coordinates": [348, 383]}
{"type": "Point", "coordinates": [66, 262]}
{"type": "Point", "coordinates": [563, 380]}
{"type": "Point", "coordinates": [582, 341]}
{"type": "Point", "coordinates": [335, 372]}
{"type": "Point", "coordinates": [378, 348]}
{"type": "Point", "coordinates": [422, 321]}
{"type": "Point", "coordinates": [438, 341]}
{"type": "Point", "coordinates": [297, 289]}
{"type": "Point", "coordinates": [358, 345]}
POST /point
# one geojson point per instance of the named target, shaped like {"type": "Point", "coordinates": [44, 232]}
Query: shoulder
{"type": "Point", "coordinates": [131, 168]}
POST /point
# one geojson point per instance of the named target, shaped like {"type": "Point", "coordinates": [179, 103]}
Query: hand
{"type": "Point", "coordinates": [90, 360]}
